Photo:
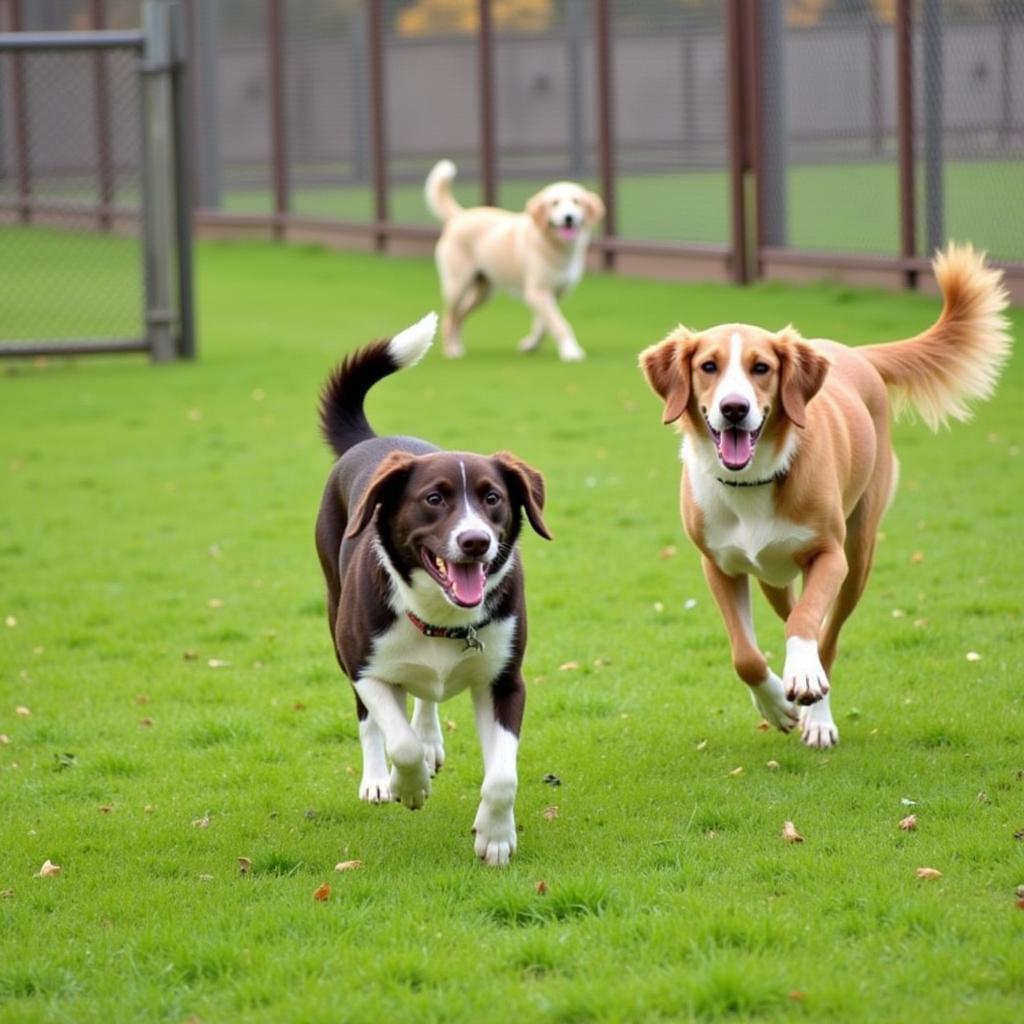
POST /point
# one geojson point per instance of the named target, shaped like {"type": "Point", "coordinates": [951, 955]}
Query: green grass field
{"type": "Point", "coordinates": [165, 628]}
{"type": "Point", "coordinates": [852, 207]}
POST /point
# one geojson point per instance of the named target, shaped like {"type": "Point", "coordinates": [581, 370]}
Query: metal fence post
{"type": "Point", "coordinates": [606, 123]}
{"type": "Point", "coordinates": [186, 347]}
{"type": "Point", "coordinates": [104, 156]}
{"type": "Point", "coordinates": [485, 41]}
{"type": "Point", "coordinates": [205, 96]}
{"type": "Point", "coordinates": [768, 105]}
{"type": "Point", "coordinates": [575, 37]}
{"type": "Point", "coordinates": [19, 101]}
{"type": "Point", "coordinates": [737, 138]}
{"type": "Point", "coordinates": [905, 123]}
{"type": "Point", "coordinates": [278, 101]}
{"type": "Point", "coordinates": [378, 120]}
{"type": "Point", "coordinates": [158, 191]}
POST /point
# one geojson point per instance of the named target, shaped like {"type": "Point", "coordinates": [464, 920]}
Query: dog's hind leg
{"type": "Point", "coordinates": [462, 294]}
{"type": "Point", "coordinates": [427, 725]}
{"type": "Point", "coordinates": [732, 593]}
{"type": "Point", "coordinates": [532, 340]}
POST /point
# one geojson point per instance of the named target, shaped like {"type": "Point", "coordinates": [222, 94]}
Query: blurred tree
{"type": "Point", "coordinates": [429, 17]}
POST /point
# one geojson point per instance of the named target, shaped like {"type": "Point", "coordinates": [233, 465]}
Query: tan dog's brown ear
{"type": "Point", "coordinates": [537, 208]}
{"type": "Point", "coordinates": [526, 487]}
{"type": "Point", "coordinates": [389, 478]}
{"type": "Point", "coordinates": [667, 369]}
{"type": "Point", "coordinates": [802, 372]}
{"type": "Point", "coordinates": [594, 206]}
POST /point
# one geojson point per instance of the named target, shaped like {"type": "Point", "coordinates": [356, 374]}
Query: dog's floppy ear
{"type": "Point", "coordinates": [667, 369]}
{"type": "Point", "coordinates": [594, 206]}
{"type": "Point", "coordinates": [526, 487]}
{"type": "Point", "coordinates": [389, 478]}
{"type": "Point", "coordinates": [536, 207]}
{"type": "Point", "coordinates": [802, 372]}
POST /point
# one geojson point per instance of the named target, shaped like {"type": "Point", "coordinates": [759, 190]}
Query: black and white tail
{"type": "Point", "coordinates": [343, 422]}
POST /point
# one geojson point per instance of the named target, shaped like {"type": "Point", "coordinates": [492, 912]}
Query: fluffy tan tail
{"type": "Point", "coordinates": [438, 191]}
{"type": "Point", "coordinates": [961, 355]}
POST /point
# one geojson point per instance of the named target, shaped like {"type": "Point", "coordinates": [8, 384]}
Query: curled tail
{"type": "Point", "coordinates": [961, 355]}
{"type": "Point", "coordinates": [343, 422]}
{"type": "Point", "coordinates": [438, 191]}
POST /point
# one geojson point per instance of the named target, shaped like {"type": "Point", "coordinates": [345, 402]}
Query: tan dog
{"type": "Point", "coordinates": [537, 255]}
{"type": "Point", "coordinates": [788, 467]}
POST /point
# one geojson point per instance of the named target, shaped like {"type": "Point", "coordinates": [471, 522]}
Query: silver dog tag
{"type": "Point", "coordinates": [473, 642]}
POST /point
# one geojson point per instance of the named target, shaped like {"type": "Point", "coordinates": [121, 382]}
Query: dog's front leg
{"type": "Point", "coordinates": [427, 725]}
{"type": "Point", "coordinates": [410, 779]}
{"type": "Point", "coordinates": [804, 675]}
{"type": "Point", "coordinates": [545, 306]}
{"type": "Point", "coordinates": [732, 593]}
{"type": "Point", "coordinates": [499, 713]}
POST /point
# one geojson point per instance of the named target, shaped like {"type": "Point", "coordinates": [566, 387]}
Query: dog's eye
{"type": "Point", "coordinates": [492, 499]}
{"type": "Point", "coordinates": [434, 498]}
{"type": "Point", "coordinates": [709, 366]}
{"type": "Point", "coordinates": [760, 369]}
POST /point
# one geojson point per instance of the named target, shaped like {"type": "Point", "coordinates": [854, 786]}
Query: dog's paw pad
{"type": "Point", "coordinates": [411, 787]}
{"type": "Point", "coordinates": [772, 705]}
{"type": "Point", "coordinates": [817, 729]}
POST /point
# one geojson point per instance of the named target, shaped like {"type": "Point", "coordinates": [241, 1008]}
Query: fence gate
{"type": "Point", "coordinates": [95, 226]}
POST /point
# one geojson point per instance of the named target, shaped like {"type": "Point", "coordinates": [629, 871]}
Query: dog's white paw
{"type": "Point", "coordinates": [495, 841]}
{"type": "Point", "coordinates": [433, 754]}
{"type": "Point", "coordinates": [410, 786]}
{"type": "Point", "coordinates": [530, 343]}
{"type": "Point", "coordinates": [453, 349]}
{"type": "Point", "coordinates": [804, 677]}
{"type": "Point", "coordinates": [770, 700]}
{"type": "Point", "coordinates": [569, 351]}
{"type": "Point", "coordinates": [817, 727]}
{"type": "Point", "coordinates": [375, 790]}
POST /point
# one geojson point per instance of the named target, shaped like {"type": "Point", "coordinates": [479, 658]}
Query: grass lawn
{"type": "Point", "coordinates": [165, 628]}
{"type": "Point", "coordinates": [851, 207]}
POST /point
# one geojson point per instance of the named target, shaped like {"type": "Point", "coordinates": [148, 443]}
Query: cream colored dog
{"type": "Point", "coordinates": [537, 255]}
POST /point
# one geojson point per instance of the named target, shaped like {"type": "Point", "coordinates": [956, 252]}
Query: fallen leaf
{"type": "Point", "coordinates": [898, 613]}
{"type": "Point", "coordinates": [190, 655]}
{"type": "Point", "coordinates": [106, 808]}
{"type": "Point", "coordinates": [929, 874]}
{"type": "Point", "coordinates": [323, 894]}
{"type": "Point", "coordinates": [982, 798]}
{"type": "Point", "coordinates": [4, 739]}
{"type": "Point", "coordinates": [194, 415]}
{"type": "Point", "coordinates": [206, 878]}
{"type": "Point", "coordinates": [551, 780]}
{"type": "Point", "coordinates": [349, 770]}
{"type": "Point", "coordinates": [1019, 834]}
{"type": "Point", "coordinates": [449, 725]}
{"type": "Point", "coordinates": [797, 996]}
{"type": "Point", "coordinates": [917, 557]}
{"type": "Point", "coordinates": [1020, 900]}
{"type": "Point", "coordinates": [142, 698]}
{"type": "Point", "coordinates": [773, 765]}
{"type": "Point", "coordinates": [973, 656]}
{"type": "Point", "coordinates": [601, 662]}
{"type": "Point", "coordinates": [909, 823]}
{"type": "Point", "coordinates": [258, 394]}
{"type": "Point", "coordinates": [23, 711]}
{"type": "Point", "coordinates": [690, 603]}
{"type": "Point", "coordinates": [62, 761]}
{"type": "Point", "coordinates": [711, 834]}
{"type": "Point", "coordinates": [146, 723]}
{"type": "Point", "coordinates": [311, 814]}
{"type": "Point", "coordinates": [298, 706]}
{"type": "Point", "coordinates": [203, 822]}
{"type": "Point", "coordinates": [541, 888]}
{"type": "Point", "coordinates": [148, 809]}
{"type": "Point", "coordinates": [244, 865]}
{"type": "Point", "coordinates": [907, 802]}
{"type": "Point", "coordinates": [669, 551]}
{"type": "Point", "coordinates": [217, 663]}
{"type": "Point", "coordinates": [568, 666]}
{"type": "Point", "coordinates": [215, 602]}
{"type": "Point", "coordinates": [549, 813]}
{"type": "Point", "coordinates": [48, 870]}
{"type": "Point", "coordinates": [702, 745]}
{"type": "Point", "coordinates": [790, 834]}
{"type": "Point", "coordinates": [348, 865]}
{"type": "Point", "coordinates": [764, 725]}
{"type": "Point", "coordinates": [11, 621]}
{"type": "Point", "coordinates": [658, 606]}
{"type": "Point", "coordinates": [736, 772]}
{"type": "Point", "coordinates": [7, 894]}
{"type": "Point", "coordinates": [215, 552]}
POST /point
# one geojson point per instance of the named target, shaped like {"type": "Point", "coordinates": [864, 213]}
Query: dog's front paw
{"type": "Point", "coordinates": [375, 790]}
{"type": "Point", "coordinates": [817, 727]}
{"type": "Point", "coordinates": [410, 785]}
{"type": "Point", "coordinates": [495, 841]}
{"type": "Point", "coordinates": [804, 676]}
{"type": "Point", "coordinates": [569, 351]}
{"type": "Point", "coordinates": [530, 343]}
{"type": "Point", "coordinates": [453, 349]}
{"type": "Point", "coordinates": [433, 754]}
{"type": "Point", "coordinates": [770, 700]}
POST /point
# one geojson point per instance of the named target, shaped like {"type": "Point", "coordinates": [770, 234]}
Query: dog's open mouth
{"type": "Point", "coordinates": [462, 582]}
{"type": "Point", "coordinates": [567, 232]}
{"type": "Point", "coordinates": [735, 447]}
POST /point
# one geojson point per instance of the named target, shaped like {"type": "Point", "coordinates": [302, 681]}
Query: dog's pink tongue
{"type": "Point", "coordinates": [568, 233]}
{"type": "Point", "coordinates": [736, 448]}
{"type": "Point", "coordinates": [467, 580]}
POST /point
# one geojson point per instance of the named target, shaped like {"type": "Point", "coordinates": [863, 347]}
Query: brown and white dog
{"type": "Point", "coordinates": [537, 255]}
{"type": "Point", "coordinates": [425, 591]}
{"type": "Point", "coordinates": [788, 467]}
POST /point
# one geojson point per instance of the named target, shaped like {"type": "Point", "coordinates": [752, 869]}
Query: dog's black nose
{"type": "Point", "coordinates": [734, 408]}
{"type": "Point", "coordinates": [474, 543]}
{"type": "Point", "coordinates": [568, 220]}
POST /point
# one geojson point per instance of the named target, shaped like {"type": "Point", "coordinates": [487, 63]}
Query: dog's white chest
{"type": "Point", "coordinates": [436, 668]}
{"type": "Point", "coordinates": [746, 536]}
